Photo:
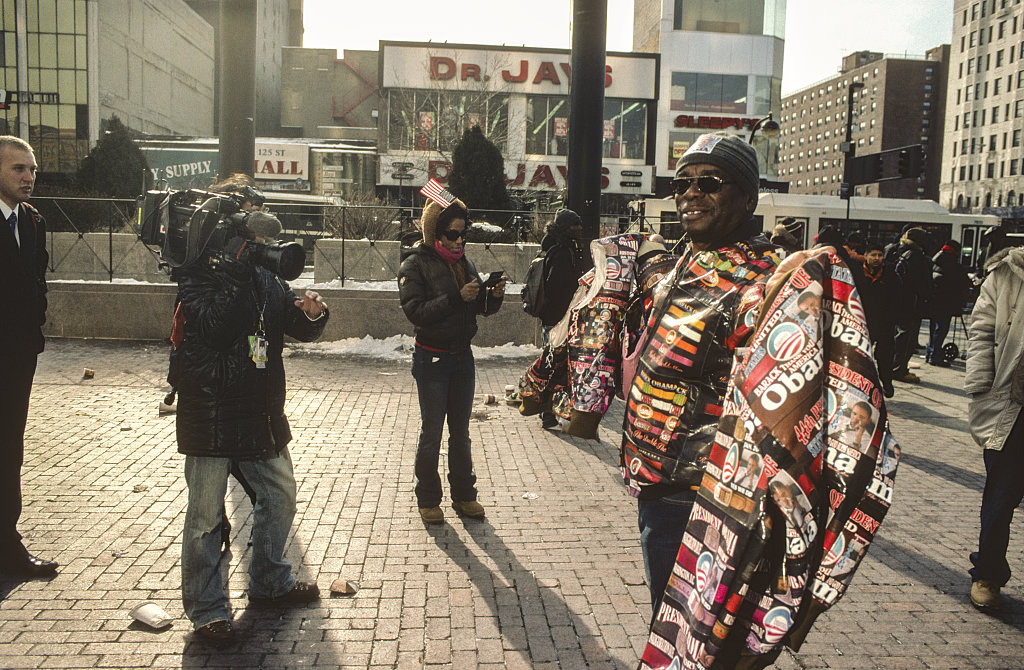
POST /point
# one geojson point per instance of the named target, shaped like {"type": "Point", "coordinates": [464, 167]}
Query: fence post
{"type": "Point", "coordinates": [344, 209]}
{"type": "Point", "coordinates": [110, 243]}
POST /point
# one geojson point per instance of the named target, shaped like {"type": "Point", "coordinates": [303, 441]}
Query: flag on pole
{"type": "Point", "coordinates": [438, 193]}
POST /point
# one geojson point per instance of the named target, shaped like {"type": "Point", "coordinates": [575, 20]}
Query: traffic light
{"type": "Point", "coordinates": [909, 164]}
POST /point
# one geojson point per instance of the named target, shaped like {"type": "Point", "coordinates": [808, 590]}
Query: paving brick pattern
{"type": "Point", "coordinates": [552, 578]}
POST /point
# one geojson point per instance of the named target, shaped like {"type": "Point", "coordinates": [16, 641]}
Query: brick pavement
{"type": "Point", "coordinates": [552, 581]}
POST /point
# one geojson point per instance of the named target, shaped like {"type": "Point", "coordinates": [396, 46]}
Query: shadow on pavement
{"type": "Point", "coordinates": [542, 624]}
{"type": "Point", "coordinates": [941, 577]}
{"type": "Point", "coordinates": [960, 476]}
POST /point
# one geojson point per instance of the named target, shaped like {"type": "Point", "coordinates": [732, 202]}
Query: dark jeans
{"type": "Point", "coordinates": [445, 384]}
{"type": "Point", "coordinates": [662, 522]}
{"type": "Point", "coordinates": [14, 395]}
{"type": "Point", "coordinates": [885, 348]}
{"type": "Point", "coordinates": [937, 331]}
{"type": "Point", "coordinates": [1004, 490]}
{"type": "Point", "coordinates": [906, 341]}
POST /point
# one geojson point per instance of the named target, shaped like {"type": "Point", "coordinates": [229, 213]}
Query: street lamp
{"type": "Point", "coordinates": [848, 147]}
{"type": "Point", "coordinates": [769, 128]}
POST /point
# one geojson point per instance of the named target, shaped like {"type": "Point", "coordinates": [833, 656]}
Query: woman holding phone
{"type": "Point", "coordinates": [441, 294]}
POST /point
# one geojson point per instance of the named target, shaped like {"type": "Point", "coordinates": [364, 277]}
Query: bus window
{"type": "Point", "coordinates": [967, 242]}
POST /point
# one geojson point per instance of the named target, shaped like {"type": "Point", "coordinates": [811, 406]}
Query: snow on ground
{"type": "Point", "coordinates": [400, 347]}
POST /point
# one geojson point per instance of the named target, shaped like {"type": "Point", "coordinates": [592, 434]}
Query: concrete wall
{"type": "Point", "coordinates": [144, 311]}
{"type": "Point", "coordinates": [156, 66]}
{"type": "Point", "coordinates": [380, 261]}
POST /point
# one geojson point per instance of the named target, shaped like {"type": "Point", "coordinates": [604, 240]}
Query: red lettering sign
{"type": "Point", "coordinates": [439, 170]}
{"type": "Point", "coordinates": [524, 72]}
{"type": "Point", "coordinates": [470, 71]}
{"type": "Point", "coordinates": [543, 175]}
{"type": "Point", "coordinates": [547, 72]}
{"type": "Point", "coordinates": [442, 67]}
{"type": "Point", "coordinates": [520, 176]}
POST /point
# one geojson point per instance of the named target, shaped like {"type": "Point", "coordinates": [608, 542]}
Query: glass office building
{"type": "Point", "coordinates": [45, 77]}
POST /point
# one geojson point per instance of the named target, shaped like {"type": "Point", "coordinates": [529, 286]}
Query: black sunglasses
{"type": "Point", "coordinates": [452, 235]}
{"type": "Point", "coordinates": [708, 183]}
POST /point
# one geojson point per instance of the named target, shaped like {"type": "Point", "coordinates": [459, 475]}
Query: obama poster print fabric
{"type": "Point", "coordinates": [799, 478]}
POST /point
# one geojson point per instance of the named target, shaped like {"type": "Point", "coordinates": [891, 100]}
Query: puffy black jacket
{"type": "Point", "coordinates": [951, 285]}
{"type": "Point", "coordinates": [227, 407]}
{"type": "Point", "coordinates": [430, 299]}
{"type": "Point", "coordinates": [565, 263]}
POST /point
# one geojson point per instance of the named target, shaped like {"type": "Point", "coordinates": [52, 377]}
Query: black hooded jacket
{"type": "Point", "coordinates": [565, 263]}
{"type": "Point", "coordinates": [227, 407]}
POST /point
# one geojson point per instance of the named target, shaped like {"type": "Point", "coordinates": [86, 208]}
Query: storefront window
{"type": "Point", "coordinates": [701, 92]}
{"type": "Point", "coordinates": [743, 17]}
{"type": "Point", "coordinates": [625, 126]}
{"type": "Point", "coordinates": [436, 120]}
{"type": "Point", "coordinates": [547, 125]}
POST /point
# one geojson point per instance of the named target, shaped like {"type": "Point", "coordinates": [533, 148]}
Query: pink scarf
{"type": "Point", "coordinates": [449, 256]}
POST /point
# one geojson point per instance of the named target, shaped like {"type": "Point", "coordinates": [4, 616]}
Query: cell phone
{"type": "Point", "coordinates": [493, 279]}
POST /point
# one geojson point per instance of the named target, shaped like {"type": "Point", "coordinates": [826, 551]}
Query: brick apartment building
{"type": "Point", "coordinates": [897, 101]}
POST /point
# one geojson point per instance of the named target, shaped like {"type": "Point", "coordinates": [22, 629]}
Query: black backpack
{"type": "Point", "coordinates": [533, 289]}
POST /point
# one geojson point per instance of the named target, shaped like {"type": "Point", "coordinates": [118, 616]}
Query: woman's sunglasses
{"type": "Point", "coordinates": [452, 235]}
{"type": "Point", "coordinates": [705, 184]}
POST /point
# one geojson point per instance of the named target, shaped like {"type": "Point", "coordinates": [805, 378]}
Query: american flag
{"type": "Point", "coordinates": [438, 193]}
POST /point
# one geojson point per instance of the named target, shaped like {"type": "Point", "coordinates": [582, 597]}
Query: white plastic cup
{"type": "Point", "coordinates": [151, 614]}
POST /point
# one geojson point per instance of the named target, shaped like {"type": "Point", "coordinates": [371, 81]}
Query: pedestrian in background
{"type": "Point", "coordinates": [23, 261]}
{"type": "Point", "coordinates": [951, 288]}
{"type": "Point", "coordinates": [995, 382]}
{"type": "Point", "coordinates": [881, 306]}
{"type": "Point", "coordinates": [227, 368]}
{"type": "Point", "coordinates": [564, 263]}
{"type": "Point", "coordinates": [784, 236]}
{"type": "Point", "coordinates": [914, 269]}
{"type": "Point", "coordinates": [441, 295]}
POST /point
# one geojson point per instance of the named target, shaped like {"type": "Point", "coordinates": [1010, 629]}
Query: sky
{"type": "Point", "coordinates": [818, 32]}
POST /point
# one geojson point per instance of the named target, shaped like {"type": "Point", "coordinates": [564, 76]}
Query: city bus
{"type": "Point", "coordinates": [878, 219]}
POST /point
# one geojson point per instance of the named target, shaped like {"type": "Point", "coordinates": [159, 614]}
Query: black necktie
{"type": "Point", "coordinates": [12, 221]}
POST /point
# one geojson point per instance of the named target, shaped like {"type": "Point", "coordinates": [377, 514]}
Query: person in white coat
{"type": "Point", "coordinates": [994, 380]}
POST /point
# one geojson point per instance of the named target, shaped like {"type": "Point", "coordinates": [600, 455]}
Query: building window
{"type": "Point", "coordinates": [700, 92]}
{"type": "Point", "coordinates": [547, 125]}
{"type": "Point", "coordinates": [990, 171]}
{"type": "Point", "coordinates": [738, 17]}
{"type": "Point", "coordinates": [1015, 141]}
{"type": "Point", "coordinates": [625, 129]}
{"type": "Point", "coordinates": [436, 120]}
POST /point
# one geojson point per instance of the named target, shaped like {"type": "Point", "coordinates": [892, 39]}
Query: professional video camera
{"type": "Point", "coordinates": [193, 226]}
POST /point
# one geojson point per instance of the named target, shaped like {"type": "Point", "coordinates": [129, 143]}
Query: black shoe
{"type": "Point", "coordinates": [218, 631]}
{"type": "Point", "coordinates": [30, 566]}
{"type": "Point", "coordinates": [548, 421]}
{"type": "Point", "coordinates": [225, 535]}
{"type": "Point", "coordinates": [887, 389]}
{"type": "Point", "coordinates": [301, 593]}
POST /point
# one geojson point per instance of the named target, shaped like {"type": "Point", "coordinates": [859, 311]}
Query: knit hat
{"type": "Point", "coordinates": [728, 152]}
{"type": "Point", "coordinates": [263, 224]}
{"type": "Point", "coordinates": [431, 213]}
{"type": "Point", "coordinates": [916, 235]}
{"type": "Point", "coordinates": [564, 220]}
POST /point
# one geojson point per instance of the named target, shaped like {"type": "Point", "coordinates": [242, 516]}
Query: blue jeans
{"type": "Point", "coordinates": [1004, 490]}
{"type": "Point", "coordinates": [445, 383]}
{"type": "Point", "coordinates": [937, 330]}
{"type": "Point", "coordinates": [203, 566]}
{"type": "Point", "coordinates": [662, 522]}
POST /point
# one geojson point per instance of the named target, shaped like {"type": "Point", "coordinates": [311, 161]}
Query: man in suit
{"type": "Point", "coordinates": [23, 261]}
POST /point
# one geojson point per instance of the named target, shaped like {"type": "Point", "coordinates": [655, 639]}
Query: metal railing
{"type": "Point", "coordinates": [98, 239]}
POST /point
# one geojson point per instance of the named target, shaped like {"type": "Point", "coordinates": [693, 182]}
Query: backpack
{"type": "Point", "coordinates": [533, 288]}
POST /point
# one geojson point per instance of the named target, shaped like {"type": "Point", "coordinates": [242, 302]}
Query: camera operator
{"type": "Point", "coordinates": [227, 368]}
